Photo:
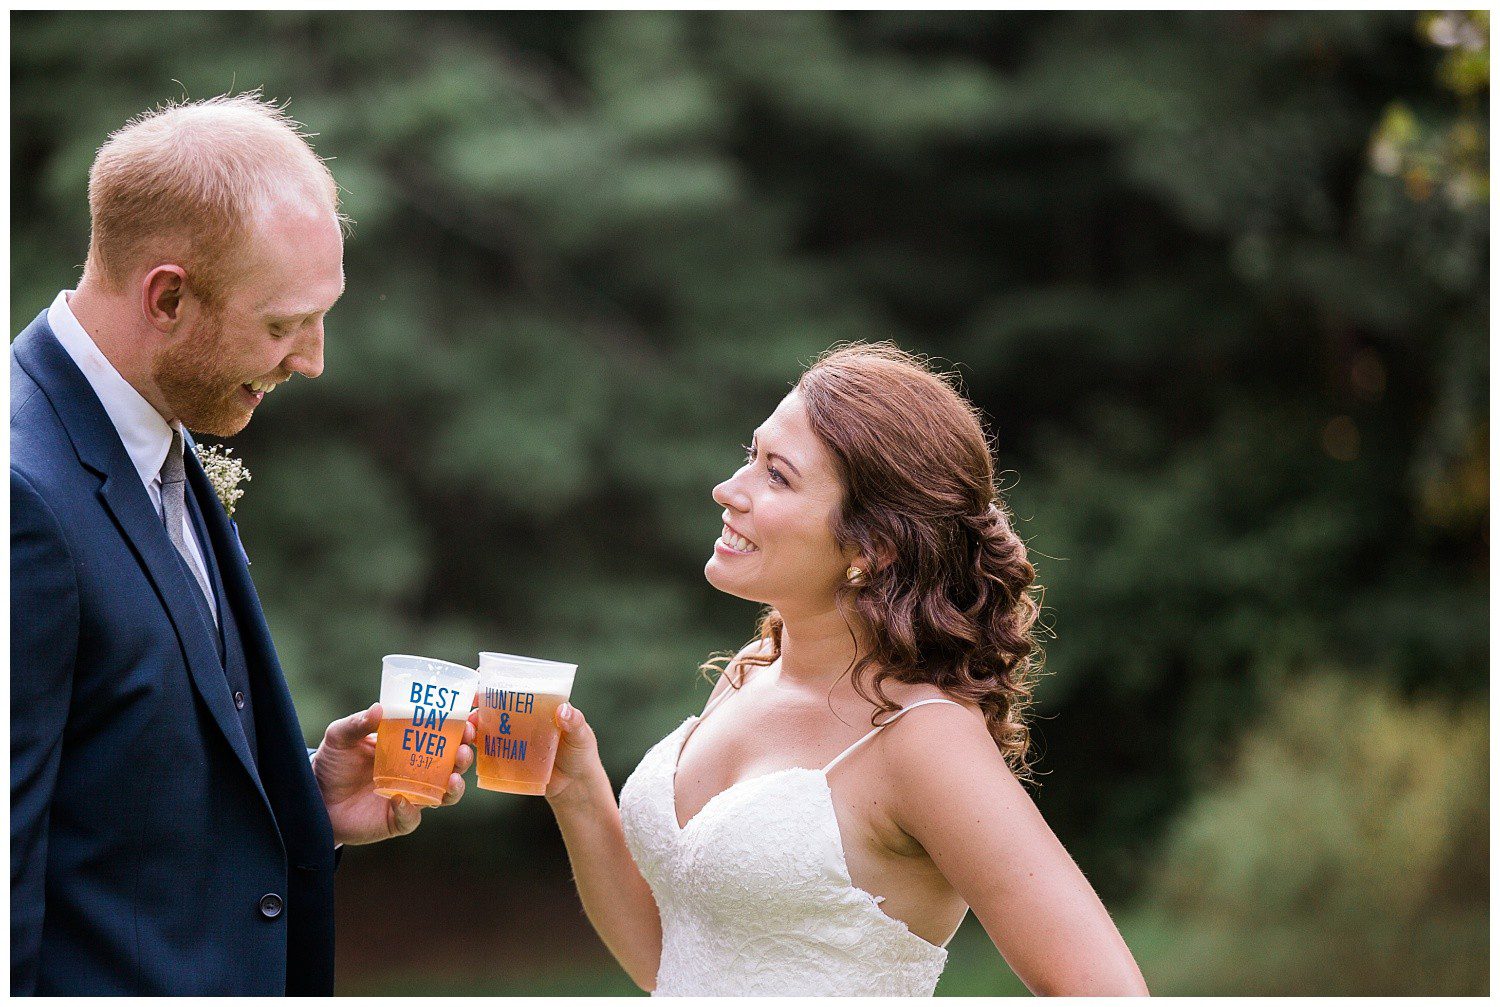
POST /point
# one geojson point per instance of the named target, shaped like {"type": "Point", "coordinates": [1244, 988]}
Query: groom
{"type": "Point", "coordinates": [169, 832]}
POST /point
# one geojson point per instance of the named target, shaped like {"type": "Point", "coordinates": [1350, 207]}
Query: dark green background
{"type": "Point", "coordinates": [1217, 281]}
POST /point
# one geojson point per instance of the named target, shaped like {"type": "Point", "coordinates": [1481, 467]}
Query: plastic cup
{"type": "Point", "coordinates": [424, 706]}
{"type": "Point", "coordinates": [517, 738]}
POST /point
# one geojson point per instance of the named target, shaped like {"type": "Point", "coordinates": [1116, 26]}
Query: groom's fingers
{"type": "Point", "coordinates": [405, 816]}
{"type": "Point", "coordinates": [455, 785]}
{"type": "Point", "coordinates": [469, 733]}
{"type": "Point", "coordinates": [351, 730]}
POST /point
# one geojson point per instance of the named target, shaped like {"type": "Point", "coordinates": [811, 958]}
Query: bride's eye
{"type": "Point", "coordinates": [749, 450]}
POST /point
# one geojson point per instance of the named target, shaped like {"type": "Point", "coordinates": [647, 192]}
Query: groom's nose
{"type": "Point", "coordinates": [307, 358]}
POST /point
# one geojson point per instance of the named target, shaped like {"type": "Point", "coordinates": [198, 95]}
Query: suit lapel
{"type": "Point", "coordinates": [301, 816]}
{"type": "Point", "coordinates": [100, 450]}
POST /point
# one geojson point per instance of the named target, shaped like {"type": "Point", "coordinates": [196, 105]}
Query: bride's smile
{"type": "Point", "coordinates": [735, 544]}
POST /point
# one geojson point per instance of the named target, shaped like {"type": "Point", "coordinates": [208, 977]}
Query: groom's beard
{"type": "Point", "coordinates": [200, 395]}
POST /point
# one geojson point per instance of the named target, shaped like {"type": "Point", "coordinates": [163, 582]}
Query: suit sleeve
{"type": "Point", "coordinates": [43, 650]}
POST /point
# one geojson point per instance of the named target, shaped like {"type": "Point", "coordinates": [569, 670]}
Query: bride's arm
{"type": "Point", "coordinates": [615, 897]}
{"type": "Point", "coordinates": [985, 834]}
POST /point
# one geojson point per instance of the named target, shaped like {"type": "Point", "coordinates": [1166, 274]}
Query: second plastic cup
{"type": "Point", "coordinates": [424, 706]}
{"type": "Point", "coordinates": [517, 738]}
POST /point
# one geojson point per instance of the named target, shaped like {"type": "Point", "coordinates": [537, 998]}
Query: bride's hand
{"type": "Point", "coordinates": [578, 767]}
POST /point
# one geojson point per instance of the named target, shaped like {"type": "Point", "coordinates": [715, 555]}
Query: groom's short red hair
{"type": "Point", "coordinates": [184, 183]}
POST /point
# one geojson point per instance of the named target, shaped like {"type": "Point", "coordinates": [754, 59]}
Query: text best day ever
{"type": "Point", "coordinates": [430, 710]}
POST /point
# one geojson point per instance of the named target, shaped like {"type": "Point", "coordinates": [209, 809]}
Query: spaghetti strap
{"type": "Point", "coordinates": [715, 701]}
{"type": "Point", "coordinates": [894, 717]}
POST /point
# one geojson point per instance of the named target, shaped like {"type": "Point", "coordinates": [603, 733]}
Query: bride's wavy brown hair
{"type": "Point", "coordinates": [952, 599]}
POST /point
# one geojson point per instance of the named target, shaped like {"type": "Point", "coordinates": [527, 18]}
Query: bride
{"type": "Point", "coordinates": [852, 787]}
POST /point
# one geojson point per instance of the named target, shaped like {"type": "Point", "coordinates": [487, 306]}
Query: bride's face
{"type": "Point", "coordinates": [777, 546]}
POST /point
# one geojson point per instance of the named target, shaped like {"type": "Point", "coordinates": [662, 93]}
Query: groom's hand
{"type": "Point", "coordinates": [344, 765]}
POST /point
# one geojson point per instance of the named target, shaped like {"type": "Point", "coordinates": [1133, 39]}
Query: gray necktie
{"type": "Point", "coordinates": [173, 506]}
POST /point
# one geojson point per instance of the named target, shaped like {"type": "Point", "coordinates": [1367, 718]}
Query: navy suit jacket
{"type": "Point", "coordinates": [150, 853]}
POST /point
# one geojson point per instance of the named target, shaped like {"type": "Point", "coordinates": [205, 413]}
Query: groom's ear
{"type": "Point", "coordinates": [162, 293]}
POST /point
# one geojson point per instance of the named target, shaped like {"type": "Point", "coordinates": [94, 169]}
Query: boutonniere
{"type": "Point", "coordinates": [225, 473]}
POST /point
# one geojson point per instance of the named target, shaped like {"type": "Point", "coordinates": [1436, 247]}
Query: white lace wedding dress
{"type": "Point", "coordinates": [754, 892]}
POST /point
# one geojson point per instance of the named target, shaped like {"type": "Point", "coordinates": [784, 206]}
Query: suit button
{"type": "Point", "coordinates": [270, 906]}
{"type": "Point", "coordinates": [239, 700]}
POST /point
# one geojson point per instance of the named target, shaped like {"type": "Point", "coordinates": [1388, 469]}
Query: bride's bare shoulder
{"type": "Point", "coordinates": [924, 745]}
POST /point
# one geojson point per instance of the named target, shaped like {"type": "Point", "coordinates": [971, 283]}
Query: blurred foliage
{"type": "Point", "coordinates": [1234, 359]}
{"type": "Point", "coordinates": [1350, 836]}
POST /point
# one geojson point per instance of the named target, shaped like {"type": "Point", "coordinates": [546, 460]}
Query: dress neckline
{"type": "Point", "coordinates": [677, 763]}
{"type": "Point", "coordinates": [874, 901]}
{"type": "Point", "coordinates": [697, 719]}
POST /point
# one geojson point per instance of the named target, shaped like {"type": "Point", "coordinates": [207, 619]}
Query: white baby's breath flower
{"type": "Point", "coordinates": [225, 473]}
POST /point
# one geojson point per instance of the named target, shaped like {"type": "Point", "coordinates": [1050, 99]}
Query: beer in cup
{"type": "Point", "coordinates": [517, 737]}
{"type": "Point", "coordinates": [424, 706]}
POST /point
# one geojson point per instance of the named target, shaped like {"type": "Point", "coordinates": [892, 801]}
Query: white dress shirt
{"type": "Point", "coordinates": [146, 436]}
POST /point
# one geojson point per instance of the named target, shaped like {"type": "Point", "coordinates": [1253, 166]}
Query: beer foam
{"type": "Point", "coordinates": [514, 673]}
{"type": "Point", "coordinates": [559, 685]}
{"type": "Point", "coordinates": [409, 686]}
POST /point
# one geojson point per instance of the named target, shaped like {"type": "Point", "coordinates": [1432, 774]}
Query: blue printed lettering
{"type": "Point", "coordinates": [515, 702]}
{"type": "Point", "coordinates": [513, 749]}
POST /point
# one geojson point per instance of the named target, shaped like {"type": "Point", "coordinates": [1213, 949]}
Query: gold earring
{"type": "Point", "coordinates": [854, 574]}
